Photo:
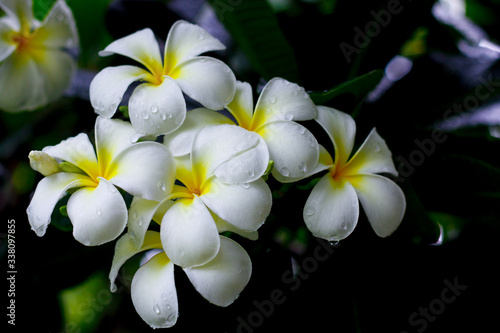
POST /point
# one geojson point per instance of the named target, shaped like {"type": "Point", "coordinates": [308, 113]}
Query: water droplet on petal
{"type": "Point", "coordinates": [162, 186]}
{"type": "Point", "coordinates": [343, 226]}
{"type": "Point", "coordinates": [157, 308]}
{"type": "Point", "coordinates": [98, 211]}
{"type": "Point", "coordinates": [310, 211]}
{"type": "Point", "coordinates": [245, 185]}
{"type": "Point", "coordinates": [272, 99]}
{"type": "Point", "coordinates": [201, 37]}
{"type": "Point", "coordinates": [165, 296]}
{"type": "Point", "coordinates": [154, 108]}
{"type": "Point", "coordinates": [334, 243]}
{"type": "Point", "coordinates": [202, 60]}
{"type": "Point", "coordinates": [377, 148]}
{"type": "Point", "coordinates": [288, 116]}
{"type": "Point", "coordinates": [171, 318]}
{"type": "Point", "coordinates": [303, 166]}
{"type": "Point", "coordinates": [145, 115]}
{"type": "Point", "coordinates": [285, 172]}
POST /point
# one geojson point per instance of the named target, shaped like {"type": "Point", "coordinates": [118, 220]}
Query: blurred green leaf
{"type": "Point", "coordinates": [41, 8]}
{"type": "Point", "coordinates": [359, 87]}
{"type": "Point", "coordinates": [256, 30]}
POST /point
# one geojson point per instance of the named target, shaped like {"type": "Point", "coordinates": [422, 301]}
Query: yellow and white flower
{"type": "Point", "coordinates": [293, 148]}
{"type": "Point", "coordinates": [36, 66]}
{"type": "Point", "coordinates": [332, 209]}
{"type": "Point", "coordinates": [157, 105]}
{"type": "Point", "coordinates": [153, 290]}
{"type": "Point", "coordinates": [222, 191]}
{"type": "Point", "coordinates": [96, 209]}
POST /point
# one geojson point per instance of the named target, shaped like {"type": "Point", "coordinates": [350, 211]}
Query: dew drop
{"type": "Point", "coordinates": [165, 297]}
{"type": "Point", "coordinates": [202, 60]}
{"type": "Point", "coordinates": [251, 173]}
{"type": "Point", "coordinates": [303, 166]}
{"type": "Point", "coordinates": [145, 115]}
{"type": "Point", "coordinates": [153, 108]}
{"type": "Point", "coordinates": [245, 185]}
{"type": "Point", "coordinates": [310, 211]}
{"type": "Point", "coordinates": [343, 226]}
{"type": "Point", "coordinates": [272, 99]}
{"type": "Point", "coordinates": [157, 308]}
{"type": "Point", "coordinates": [98, 211]}
{"type": "Point", "coordinates": [171, 318]}
{"type": "Point", "coordinates": [334, 243]}
{"type": "Point", "coordinates": [377, 148]}
{"type": "Point", "coordinates": [162, 186]}
{"type": "Point", "coordinates": [201, 37]}
{"type": "Point", "coordinates": [285, 172]}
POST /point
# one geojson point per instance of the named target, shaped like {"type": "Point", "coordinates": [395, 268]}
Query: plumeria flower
{"type": "Point", "coordinates": [332, 209]}
{"type": "Point", "coordinates": [36, 66]}
{"type": "Point", "coordinates": [157, 105]}
{"type": "Point", "coordinates": [153, 291]}
{"type": "Point", "coordinates": [221, 190]}
{"type": "Point", "coordinates": [293, 148]}
{"type": "Point", "coordinates": [96, 209]}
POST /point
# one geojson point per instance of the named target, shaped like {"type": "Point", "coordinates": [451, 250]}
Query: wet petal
{"type": "Point", "coordinates": [188, 233]}
{"type": "Point", "coordinates": [109, 85]}
{"type": "Point", "coordinates": [341, 128]}
{"type": "Point", "coordinates": [140, 46]}
{"type": "Point", "coordinates": [283, 100]}
{"type": "Point", "coordinates": [186, 40]}
{"type": "Point", "coordinates": [58, 29]}
{"type": "Point", "coordinates": [332, 209]}
{"type": "Point", "coordinates": [223, 279]}
{"type": "Point", "coordinates": [144, 169]}
{"type": "Point", "coordinates": [125, 249]}
{"type": "Point", "coordinates": [22, 9]}
{"type": "Point", "coordinates": [112, 136]}
{"type": "Point", "coordinates": [157, 109]}
{"type": "Point", "coordinates": [98, 215]}
{"type": "Point", "coordinates": [76, 150]}
{"type": "Point", "coordinates": [181, 141]}
{"type": "Point", "coordinates": [245, 206]}
{"type": "Point", "coordinates": [153, 292]}
{"type": "Point", "coordinates": [48, 192]}
{"type": "Point", "coordinates": [241, 107]}
{"type": "Point", "coordinates": [292, 147]}
{"type": "Point", "coordinates": [382, 200]}
{"type": "Point", "coordinates": [232, 153]}
{"type": "Point", "coordinates": [206, 80]}
{"type": "Point", "coordinates": [372, 157]}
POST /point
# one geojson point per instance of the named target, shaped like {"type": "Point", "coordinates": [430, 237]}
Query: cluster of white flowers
{"type": "Point", "coordinates": [203, 173]}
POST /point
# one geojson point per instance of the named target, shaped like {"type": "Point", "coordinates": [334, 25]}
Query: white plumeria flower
{"type": "Point", "coordinates": [157, 105]}
{"type": "Point", "coordinates": [96, 209]}
{"type": "Point", "coordinates": [153, 291]}
{"type": "Point", "coordinates": [332, 209]}
{"type": "Point", "coordinates": [293, 148]}
{"type": "Point", "coordinates": [35, 65]}
{"type": "Point", "coordinates": [222, 191]}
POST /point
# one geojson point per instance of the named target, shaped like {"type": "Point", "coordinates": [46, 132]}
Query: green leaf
{"type": "Point", "coordinates": [41, 8]}
{"type": "Point", "coordinates": [256, 30]}
{"type": "Point", "coordinates": [359, 87]}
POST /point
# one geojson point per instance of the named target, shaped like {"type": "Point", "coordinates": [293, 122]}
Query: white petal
{"type": "Point", "coordinates": [241, 107]}
{"type": "Point", "coordinates": [372, 157]}
{"type": "Point", "coordinates": [245, 206]}
{"type": "Point", "coordinates": [232, 153]}
{"type": "Point", "coordinates": [188, 233]}
{"type": "Point", "coordinates": [22, 84]}
{"type": "Point", "coordinates": [22, 9]}
{"type": "Point", "coordinates": [283, 100]}
{"type": "Point", "coordinates": [292, 147]}
{"type": "Point", "coordinates": [332, 209]}
{"type": "Point", "coordinates": [382, 200]}
{"type": "Point", "coordinates": [186, 40]}
{"type": "Point", "coordinates": [153, 292]}
{"type": "Point", "coordinates": [58, 29]}
{"type": "Point", "coordinates": [325, 161]}
{"type": "Point", "coordinates": [341, 128]}
{"type": "Point", "coordinates": [223, 279]}
{"type": "Point", "coordinates": [109, 85]}
{"type": "Point", "coordinates": [48, 192]}
{"type": "Point", "coordinates": [111, 137]}
{"type": "Point", "coordinates": [77, 150]}
{"type": "Point", "coordinates": [141, 213]}
{"type": "Point", "coordinates": [140, 46]}
{"type": "Point", "coordinates": [206, 80]}
{"type": "Point", "coordinates": [7, 47]}
{"type": "Point", "coordinates": [98, 215]}
{"type": "Point", "coordinates": [181, 141]}
{"type": "Point", "coordinates": [145, 169]}
{"type": "Point", "coordinates": [125, 249]}
{"type": "Point", "coordinates": [157, 109]}
{"type": "Point", "coordinates": [223, 226]}
{"type": "Point", "coordinates": [56, 69]}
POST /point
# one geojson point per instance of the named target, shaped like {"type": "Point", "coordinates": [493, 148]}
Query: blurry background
{"type": "Point", "coordinates": [424, 73]}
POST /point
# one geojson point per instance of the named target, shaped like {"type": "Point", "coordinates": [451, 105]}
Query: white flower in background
{"type": "Point", "coordinates": [35, 65]}
{"type": "Point", "coordinates": [96, 209]}
{"type": "Point", "coordinates": [293, 148]}
{"type": "Point", "coordinates": [222, 191]}
{"type": "Point", "coordinates": [153, 290]}
{"type": "Point", "coordinates": [332, 209]}
{"type": "Point", "coordinates": [157, 105]}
